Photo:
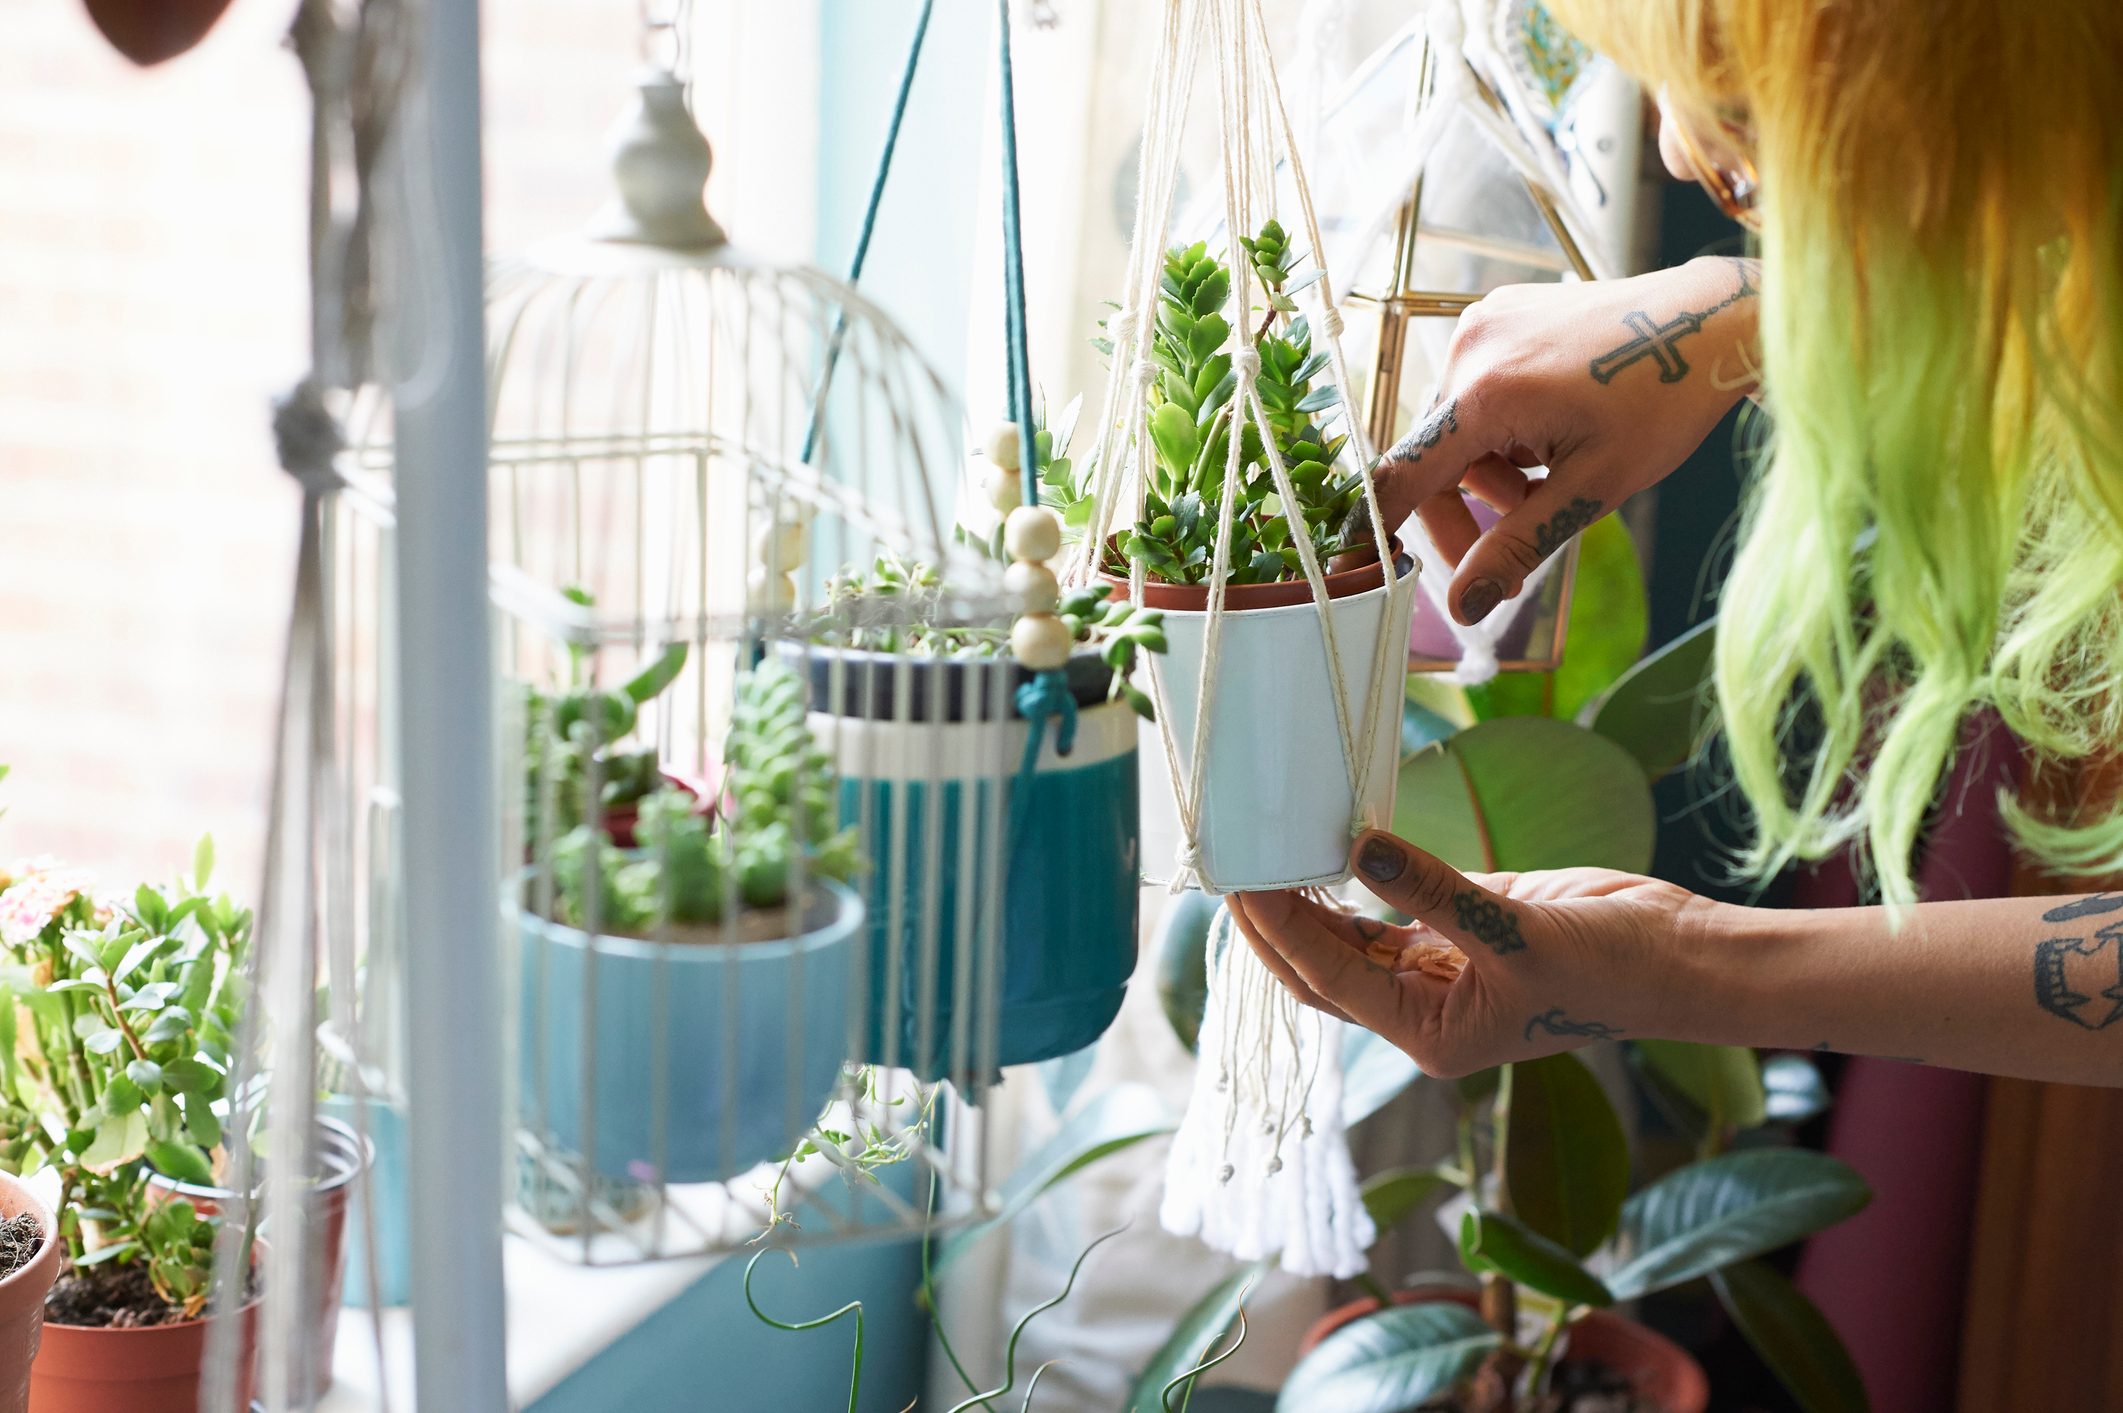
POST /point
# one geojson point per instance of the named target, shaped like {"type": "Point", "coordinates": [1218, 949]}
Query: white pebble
{"type": "Point", "coordinates": [1041, 642]}
{"type": "Point", "coordinates": [1032, 587]}
{"type": "Point", "coordinates": [1033, 532]}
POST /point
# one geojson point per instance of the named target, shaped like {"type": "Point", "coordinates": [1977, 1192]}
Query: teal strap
{"type": "Point", "coordinates": [869, 223]}
{"type": "Point", "coordinates": [1020, 357]}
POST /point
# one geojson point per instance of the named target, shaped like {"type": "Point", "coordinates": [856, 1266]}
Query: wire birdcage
{"type": "Point", "coordinates": [753, 865]}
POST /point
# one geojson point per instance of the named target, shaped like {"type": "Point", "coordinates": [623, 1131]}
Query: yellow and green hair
{"type": "Point", "coordinates": [1935, 524]}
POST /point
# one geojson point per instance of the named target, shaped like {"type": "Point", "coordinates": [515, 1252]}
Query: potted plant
{"type": "Point", "coordinates": [1549, 1227]}
{"type": "Point", "coordinates": [682, 968]}
{"type": "Point", "coordinates": [118, 1037]}
{"type": "Point", "coordinates": [1277, 754]}
{"type": "Point", "coordinates": [895, 680]}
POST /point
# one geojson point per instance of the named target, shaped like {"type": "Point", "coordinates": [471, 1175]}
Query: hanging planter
{"type": "Point", "coordinates": [926, 778]}
{"type": "Point", "coordinates": [686, 1004]}
{"type": "Point", "coordinates": [342, 1157]}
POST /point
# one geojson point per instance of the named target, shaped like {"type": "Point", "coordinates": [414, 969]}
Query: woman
{"type": "Point", "coordinates": [1935, 528]}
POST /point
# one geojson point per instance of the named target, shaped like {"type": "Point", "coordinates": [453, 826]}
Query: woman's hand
{"type": "Point", "coordinates": [1609, 384]}
{"type": "Point", "coordinates": [1552, 960]}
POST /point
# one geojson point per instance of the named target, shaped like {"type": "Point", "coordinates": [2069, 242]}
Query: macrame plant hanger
{"type": "Point", "coordinates": [1260, 1164]}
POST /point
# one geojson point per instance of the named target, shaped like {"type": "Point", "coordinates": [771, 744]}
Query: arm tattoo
{"type": "Point", "coordinates": [1368, 928]}
{"type": "Point", "coordinates": [1549, 538]}
{"type": "Point", "coordinates": [1493, 925]}
{"type": "Point", "coordinates": [1662, 342]}
{"type": "Point", "coordinates": [2063, 965]}
{"type": "Point", "coordinates": [1554, 1022]}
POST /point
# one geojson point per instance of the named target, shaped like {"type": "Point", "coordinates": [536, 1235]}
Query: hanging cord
{"type": "Point", "coordinates": [869, 226]}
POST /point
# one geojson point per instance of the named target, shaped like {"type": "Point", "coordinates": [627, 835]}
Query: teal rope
{"type": "Point", "coordinates": [1020, 358]}
{"type": "Point", "coordinates": [869, 224]}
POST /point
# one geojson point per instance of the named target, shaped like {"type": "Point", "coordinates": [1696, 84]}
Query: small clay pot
{"type": "Point", "coordinates": [155, 1370]}
{"type": "Point", "coordinates": [1658, 1370]}
{"type": "Point", "coordinates": [22, 1296]}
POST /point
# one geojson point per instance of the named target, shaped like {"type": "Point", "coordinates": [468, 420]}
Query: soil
{"type": "Point", "coordinates": [21, 1237]}
{"type": "Point", "coordinates": [109, 1297]}
{"type": "Point", "coordinates": [1576, 1388]}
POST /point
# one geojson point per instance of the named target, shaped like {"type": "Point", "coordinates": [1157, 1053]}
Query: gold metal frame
{"type": "Point", "coordinates": [1403, 302]}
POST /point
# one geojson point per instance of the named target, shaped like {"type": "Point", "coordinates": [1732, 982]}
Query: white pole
{"type": "Point", "coordinates": [453, 998]}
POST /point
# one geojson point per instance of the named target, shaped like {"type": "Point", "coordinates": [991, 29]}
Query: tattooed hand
{"type": "Point", "coordinates": [1540, 961]}
{"type": "Point", "coordinates": [1609, 384]}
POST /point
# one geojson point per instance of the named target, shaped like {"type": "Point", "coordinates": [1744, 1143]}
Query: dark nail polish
{"type": "Point", "coordinates": [1480, 600]}
{"type": "Point", "coordinates": [1381, 860]}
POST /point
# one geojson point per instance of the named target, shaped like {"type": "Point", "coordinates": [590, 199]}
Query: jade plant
{"type": "Point", "coordinates": [899, 605]}
{"type": "Point", "coordinates": [1192, 407]}
{"type": "Point", "coordinates": [776, 816]}
{"type": "Point", "coordinates": [117, 1036]}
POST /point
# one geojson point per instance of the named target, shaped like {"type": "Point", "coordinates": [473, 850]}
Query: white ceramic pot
{"type": "Point", "coordinates": [1276, 809]}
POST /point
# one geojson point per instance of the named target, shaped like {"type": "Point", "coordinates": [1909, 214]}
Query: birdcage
{"type": "Point", "coordinates": [750, 827]}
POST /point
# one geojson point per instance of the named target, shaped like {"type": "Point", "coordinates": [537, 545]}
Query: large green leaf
{"type": "Point", "coordinates": [1435, 810]}
{"type": "Point", "coordinates": [1183, 961]}
{"type": "Point", "coordinates": [1793, 1337]}
{"type": "Point", "coordinates": [1554, 795]}
{"type": "Point", "coordinates": [1118, 1118]}
{"type": "Point", "coordinates": [1374, 1071]}
{"type": "Point", "coordinates": [1566, 1159]}
{"type": "Point", "coordinates": [1723, 1081]}
{"type": "Point", "coordinates": [1393, 1194]}
{"type": "Point", "coordinates": [1656, 710]}
{"type": "Point", "coordinates": [1726, 1209]}
{"type": "Point", "coordinates": [1206, 1324]}
{"type": "Point", "coordinates": [1491, 1241]}
{"type": "Point", "coordinates": [1389, 1362]}
{"type": "Point", "coordinates": [1609, 616]}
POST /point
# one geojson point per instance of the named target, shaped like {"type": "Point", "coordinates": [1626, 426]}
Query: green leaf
{"type": "Point", "coordinates": [1610, 616]}
{"type": "Point", "coordinates": [145, 1073]}
{"type": "Point", "coordinates": [1537, 793]}
{"type": "Point", "coordinates": [190, 1076]}
{"type": "Point", "coordinates": [112, 1252]}
{"type": "Point", "coordinates": [1374, 1072]}
{"type": "Point", "coordinates": [1726, 1209]}
{"type": "Point", "coordinates": [202, 860]}
{"type": "Point", "coordinates": [1389, 1362]}
{"type": "Point", "coordinates": [1205, 1325]}
{"type": "Point", "coordinates": [1183, 963]}
{"type": "Point", "coordinates": [118, 1139]}
{"type": "Point", "coordinates": [1793, 1089]}
{"type": "Point", "coordinates": [1119, 1118]}
{"type": "Point", "coordinates": [1320, 399]}
{"type": "Point", "coordinates": [1656, 711]}
{"type": "Point", "coordinates": [182, 1162]}
{"type": "Point", "coordinates": [149, 907]}
{"type": "Point", "coordinates": [1393, 1194]}
{"type": "Point", "coordinates": [1793, 1337]}
{"type": "Point", "coordinates": [1173, 430]}
{"type": "Point", "coordinates": [1566, 1160]}
{"type": "Point", "coordinates": [1491, 1241]}
{"type": "Point", "coordinates": [104, 1041]}
{"type": "Point", "coordinates": [657, 676]}
{"type": "Point", "coordinates": [1723, 1081]}
{"type": "Point", "coordinates": [201, 1122]}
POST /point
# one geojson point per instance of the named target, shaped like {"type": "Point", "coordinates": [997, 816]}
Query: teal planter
{"type": "Point", "coordinates": [1068, 881]}
{"type": "Point", "coordinates": [709, 1058]}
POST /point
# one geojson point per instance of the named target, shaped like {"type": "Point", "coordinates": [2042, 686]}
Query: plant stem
{"type": "Point", "coordinates": [124, 1027]}
{"type": "Point", "coordinates": [1372, 1288]}
{"type": "Point", "coordinates": [1544, 1352]}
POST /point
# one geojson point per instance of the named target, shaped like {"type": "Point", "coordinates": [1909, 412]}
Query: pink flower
{"type": "Point", "coordinates": [41, 891]}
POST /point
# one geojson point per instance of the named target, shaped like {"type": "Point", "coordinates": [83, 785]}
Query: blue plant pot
{"type": "Point", "coordinates": [1068, 881]}
{"type": "Point", "coordinates": [710, 1057]}
{"type": "Point", "coordinates": [389, 1204]}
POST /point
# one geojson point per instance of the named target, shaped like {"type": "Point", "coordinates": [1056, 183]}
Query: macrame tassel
{"type": "Point", "coordinates": [1260, 1165]}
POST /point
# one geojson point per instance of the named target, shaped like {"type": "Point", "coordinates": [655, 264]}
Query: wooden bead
{"type": "Point", "coordinates": [770, 593]}
{"type": "Point", "coordinates": [1032, 587]}
{"type": "Point", "coordinates": [1032, 533]}
{"type": "Point", "coordinates": [1006, 490]}
{"type": "Point", "coordinates": [1005, 448]}
{"type": "Point", "coordinates": [1041, 642]}
{"type": "Point", "coordinates": [781, 545]}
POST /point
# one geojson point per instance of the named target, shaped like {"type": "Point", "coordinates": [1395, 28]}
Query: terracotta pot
{"type": "Point", "coordinates": [84, 1370]}
{"type": "Point", "coordinates": [1659, 1371]}
{"type": "Point", "coordinates": [150, 31]}
{"type": "Point", "coordinates": [341, 1158]}
{"type": "Point", "coordinates": [22, 1296]}
{"type": "Point", "coordinates": [1194, 598]}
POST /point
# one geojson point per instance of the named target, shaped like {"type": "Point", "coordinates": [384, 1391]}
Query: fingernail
{"type": "Point", "coordinates": [1480, 600]}
{"type": "Point", "coordinates": [1380, 859]}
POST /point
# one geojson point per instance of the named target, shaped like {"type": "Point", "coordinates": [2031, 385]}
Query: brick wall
{"type": "Point", "coordinates": [151, 302]}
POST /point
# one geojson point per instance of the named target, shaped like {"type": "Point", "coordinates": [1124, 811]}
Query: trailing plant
{"type": "Point", "coordinates": [579, 733]}
{"type": "Point", "coordinates": [1192, 408]}
{"type": "Point", "coordinates": [900, 605]}
{"type": "Point", "coordinates": [117, 1037]}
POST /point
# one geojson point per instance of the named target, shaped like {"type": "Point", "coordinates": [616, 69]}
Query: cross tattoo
{"type": "Point", "coordinates": [1661, 342]}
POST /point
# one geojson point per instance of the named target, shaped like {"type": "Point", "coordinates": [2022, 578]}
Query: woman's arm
{"type": "Point", "coordinates": [1547, 961]}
